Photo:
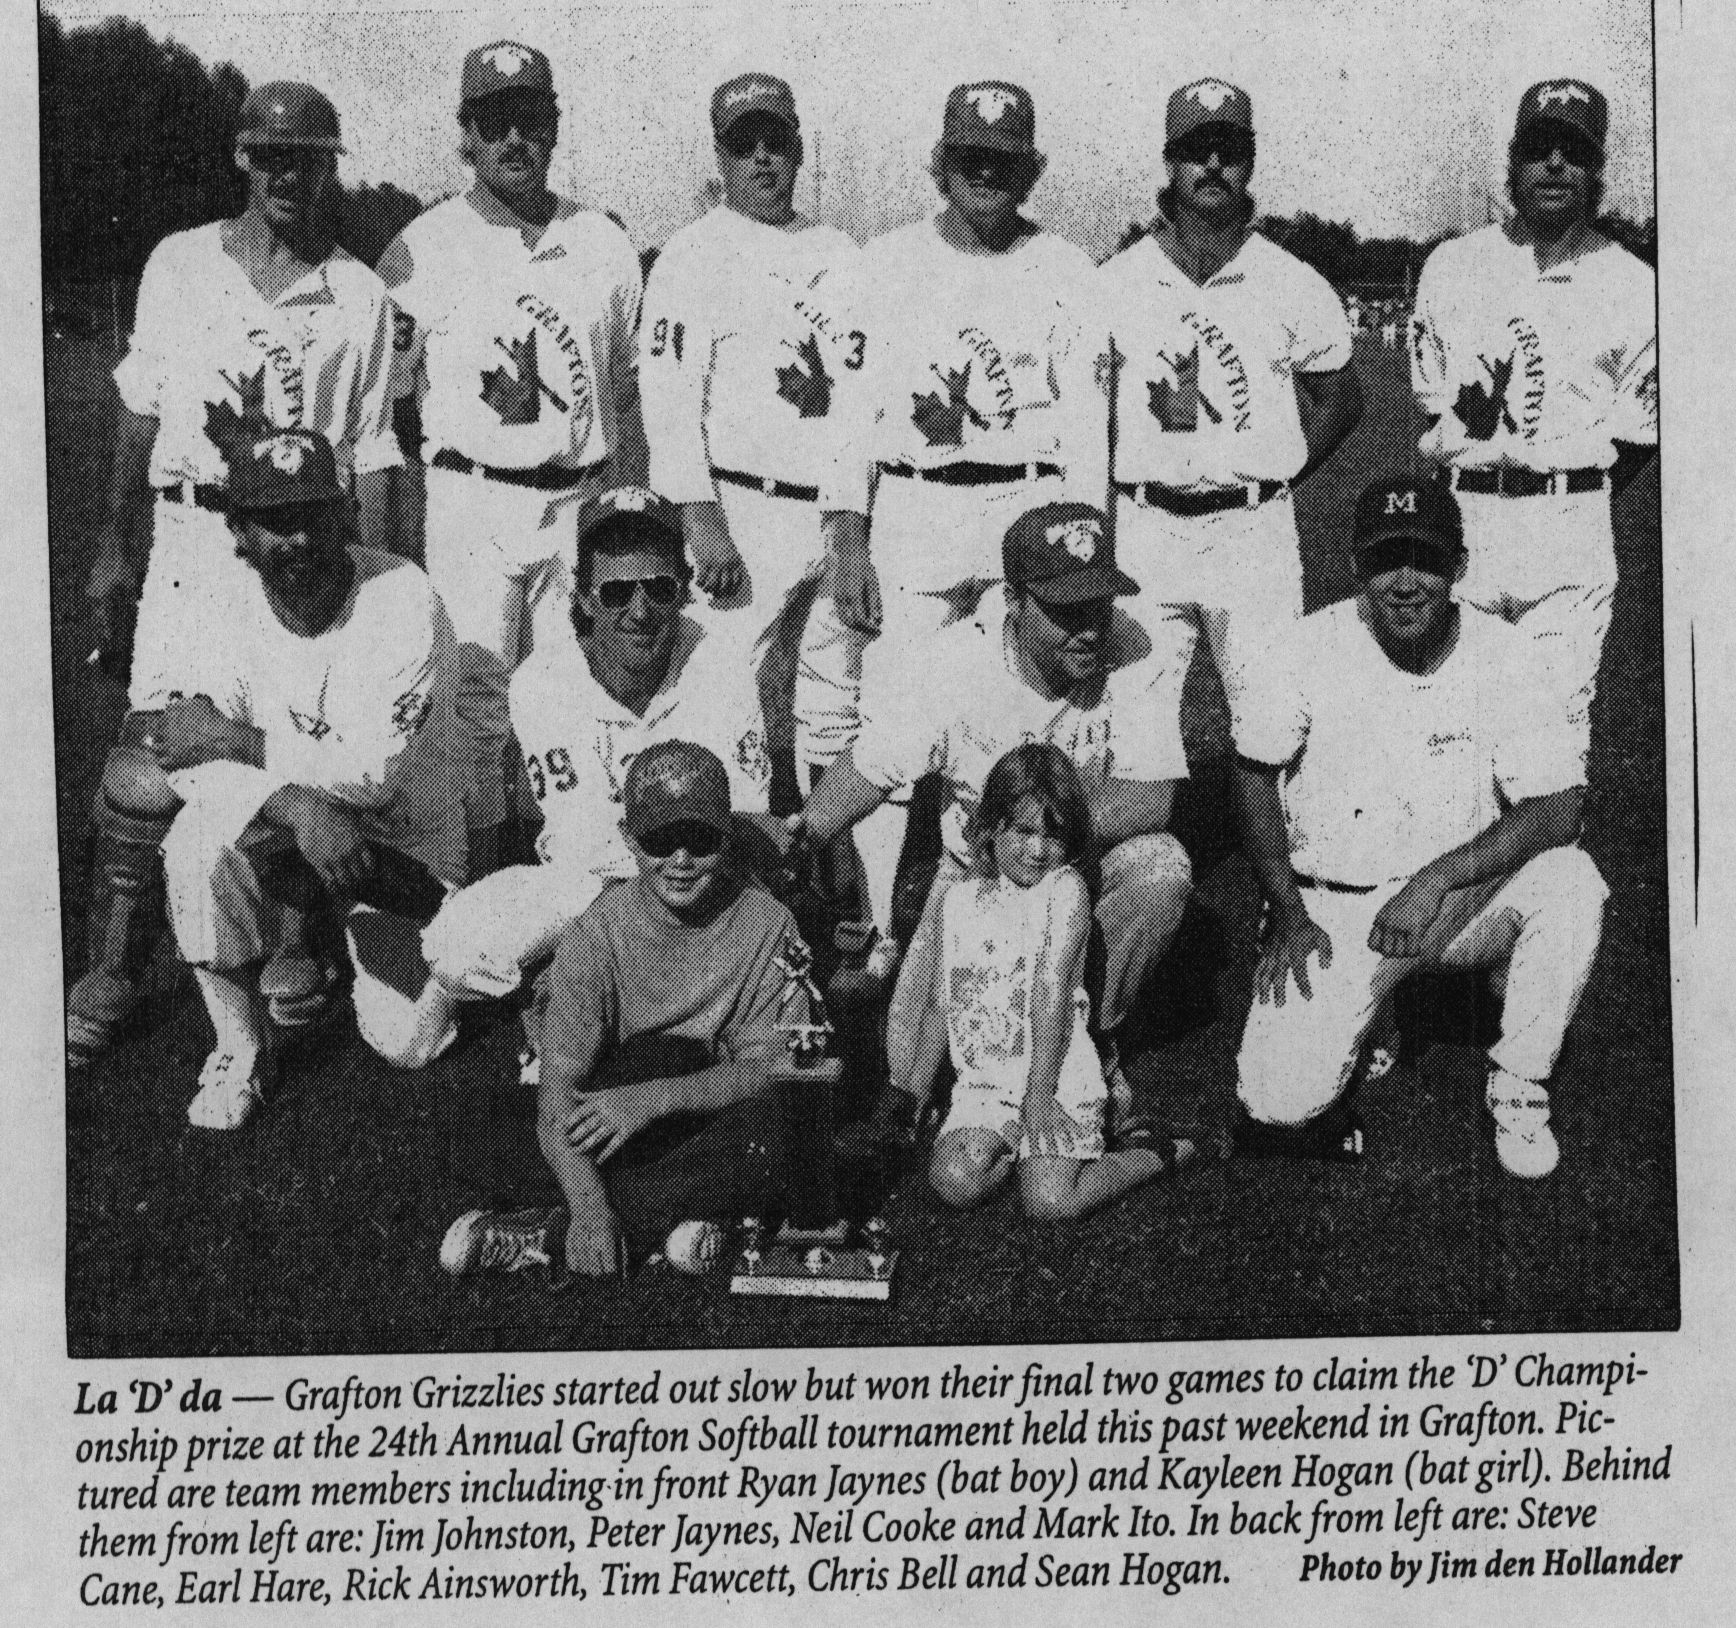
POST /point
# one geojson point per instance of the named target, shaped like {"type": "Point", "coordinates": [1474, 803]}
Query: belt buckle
{"type": "Point", "coordinates": [1558, 483]}
{"type": "Point", "coordinates": [1252, 488]}
{"type": "Point", "coordinates": [769, 486]}
{"type": "Point", "coordinates": [1142, 495]}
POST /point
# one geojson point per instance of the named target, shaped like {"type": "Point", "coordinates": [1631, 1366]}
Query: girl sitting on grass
{"type": "Point", "coordinates": [996, 973]}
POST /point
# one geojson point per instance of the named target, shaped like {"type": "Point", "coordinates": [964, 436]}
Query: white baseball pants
{"type": "Point", "coordinates": [1544, 923]}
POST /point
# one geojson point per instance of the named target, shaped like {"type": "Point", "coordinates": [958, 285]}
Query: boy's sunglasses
{"type": "Point", "coordinates": [700, 841]}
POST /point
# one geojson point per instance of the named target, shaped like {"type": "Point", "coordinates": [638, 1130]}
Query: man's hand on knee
{"type": "Point", "coordinates": [327, 835]}
{"type": "Point", "coordinates": [1293, 938]}
{"type": "Point", "coordinates": [1405, 919]}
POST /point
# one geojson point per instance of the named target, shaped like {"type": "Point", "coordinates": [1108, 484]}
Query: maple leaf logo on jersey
{"type": "Point", "coordinates": [232, 432]}
{"type": "Point", "coordinates": [410, 711]}
{"type": "Point", "coordinates": [1483, 410]}
{"type": "Point", "coordinates": [516, 395]}
{"type": "Point", "coordinates": [1562, 93]}
{"type": "Point", "coordinates": [942, 422]}
{"type": "Point", "coordinates": [991, 102]}
{"type": "Point", "coordinates": [1211, 94]}
{"type": "Point", "coordinates": [1176, 404]}
{"type": "Point", "coordinates": [507, 60]}
{"type": "Point", "coordinates": [313, 728]}
{"type": "Point", "coordinates": [806, 383]}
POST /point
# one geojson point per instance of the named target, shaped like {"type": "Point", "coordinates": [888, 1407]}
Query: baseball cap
{"type": "Point", "coordinates": [1572, 102]}
{"type": "Point", "coordinates": [675, 781]}
{"type": "Point", "coordinates": [1063, 553]}
{"type": "Point", "coordinates": [631, 505]}
{"type": "Point", "coordinates": [504, 65]}
{"type": "Point", "coordinates": [280, 467]}
{"type": "Point", "coordinates": [1418, 510]}
{"type": "Point", "coordinates": [752, 93]}
{"type": "Point", "coordinates": [285, 114]}
{"type": "Point", "coordinates": [991, 113]}
{"type": "Point", "coordinates": [1207, 101]}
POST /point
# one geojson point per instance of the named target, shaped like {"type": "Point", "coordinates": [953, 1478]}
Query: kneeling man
{"type": "Point", "coordinates": [323, 746]}
{"type": "Point", "coordinates": [1411, 799]}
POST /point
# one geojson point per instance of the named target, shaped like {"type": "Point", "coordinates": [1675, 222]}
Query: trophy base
{"type": "Point", "coordinates": [815, 1264]}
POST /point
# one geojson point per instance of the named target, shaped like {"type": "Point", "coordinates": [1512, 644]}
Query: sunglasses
{"type": "Point", "coordinates": [1231, 146]}
{"type": "Point", "coordinates": [495, 117]}
{"type": "Point", "coordinates": [742, 138]}
{"type": "Point", "coordinates": [617, 593]}
{"type": "Point", "coordinates": [699, 841]}
{"type": "Point", "coordinates": [990, 162]}
{"type": "Point", "coordinates": [1540, 145]}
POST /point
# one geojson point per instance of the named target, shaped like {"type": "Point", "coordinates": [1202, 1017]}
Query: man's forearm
{"type": "Point", "coordinates": [1331, 407]}
{"type": "Point", "coordinates": [710, 1089]}
{"type": "Point", "coordinates": [1130, 808]}
{"type": "Point", "coordinates": [1265, 838]}
{"type": "Point", "coordinates": [1529, 828]}
{"type": "Point", "coordinates": [842, 797]}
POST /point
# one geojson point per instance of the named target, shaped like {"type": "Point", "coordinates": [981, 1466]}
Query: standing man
{"type": "Point", "coordinates": [983, 406]}
{"type": "Point", "coordinates": [1534, 355]}
{"type": "Point", "coordinates": [583, 710]}
{"type": "Point", "coordinates": [747, 351]}
{"type": "Point", "coordinates": [262, 320]}
{"type": "Point", "coordinates": [1232, 378]}
{"type": "Point", "coordinates": [1409, 801]}
{"type": "Point", "coordinates": [525, 308]}
{"type": "Point", "coordinates": [322, 734]}
{"type": "Point", "coordinates": [1052, 659]}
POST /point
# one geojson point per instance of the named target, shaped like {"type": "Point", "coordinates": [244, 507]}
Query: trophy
{"type": "Point", "coordinates": [816, 1252]}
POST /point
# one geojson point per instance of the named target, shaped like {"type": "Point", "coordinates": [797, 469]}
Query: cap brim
{"type": "Point", "coordinates": [1075, 587]}
{"type": "Point", "coordinates": [988, 143]}
{"type": "Point", "coordinates": [723, 126]}
{"type": "Point", "coordinates": [318, 144]}
{"type": "Point", "coordinates": [659, 819]}
{"type": "Point", "coordinates": [1569, 125]}
{"type": "Point", "coordinates": [633, 520]}
{"type": "Point", "coordinates": [1423, 542]}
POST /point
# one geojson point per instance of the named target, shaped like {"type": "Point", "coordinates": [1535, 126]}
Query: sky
{"type": "Point", "coordinates": [1390, 114]}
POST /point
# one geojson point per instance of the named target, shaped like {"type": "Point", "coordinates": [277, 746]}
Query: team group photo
{"type": "Point", "coordinates": [684, 717]}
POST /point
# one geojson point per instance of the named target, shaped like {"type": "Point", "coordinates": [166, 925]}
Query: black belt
{"type": "Point", "coordinates": [1332, 887]}
{"type": "Point", "coordinates": [1511, 482]}
{"type": "Point", "coordinates": [202, 497]}
{"type": "Point", "coordinates": [1154, 495]}
{"type": "Point", "coordinates": [543, 478]}
{"type": "Point", "coordinates": [972, 474]}
{"type": "Point", "coordinates": [764, 483]}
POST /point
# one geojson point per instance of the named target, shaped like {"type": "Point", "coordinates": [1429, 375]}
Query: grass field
{"type": "Point", "coordinates": [316, 1229]}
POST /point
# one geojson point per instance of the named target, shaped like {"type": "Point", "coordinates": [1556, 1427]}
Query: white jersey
{"type": "Point", "coordinates": [361, 711]}
{"type": "Point", "coordinates": [318, 357]}
{"type": "Point", "coordinates": [977, 358]}
{"type": "Point", "coordinates": [996, 939]}
{"type": "Point", "coordinates": [744, 353]}
{"type": "Point", "coordinates": [1397, 768]}
{"type": "Point", "coordinates": [1541, 369]}
{"type": "Point", "coordinates": [525, 354]}
{"type": "Point", "coordinates": [578, 740]}
{"type": "Point", "coordinates": [970, 707]}
{"type": "Point", "coordinates": [1205, 374]}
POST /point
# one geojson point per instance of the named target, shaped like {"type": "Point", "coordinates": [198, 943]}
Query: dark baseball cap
{"type": "Point", "coordinates": [505, 65]}
{"type": "Point", "coordinates": [286, 114]}
{"type": "Point", "coordinates": [672, 782]}
{"type": "Point", "coordinates": [281, 467]}
{"type": "Point", "coordinates": [1571, 102]}
{"type": "Point", "coordinates": [1207, 101]}
{"type": "Point", "coordinates": [1415, 511]}
{"type": "Point", "coordinates": [1063, 553]}
{"type": "Point", "coordinates": [752, 93]}
{"type": "Point", "coordinates": [633, 506]}
{"type": "Point", "coordinates": [990, 113]}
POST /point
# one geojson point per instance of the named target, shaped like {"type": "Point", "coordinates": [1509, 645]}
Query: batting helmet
{"type": "Point", "coordinates": [284, 114]}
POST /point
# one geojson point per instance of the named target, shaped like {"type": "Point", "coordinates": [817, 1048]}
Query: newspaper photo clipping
{"type": "Point", "coordinates": [251, 1375]}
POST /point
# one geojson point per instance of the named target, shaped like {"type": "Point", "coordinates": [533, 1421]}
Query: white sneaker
{"type": "Point", "coordinates": [230, 1089]}
{"type": "Point", "coordinates": [694, 1247]}
{"type": "Point", "coordinates": [1524, 1142]}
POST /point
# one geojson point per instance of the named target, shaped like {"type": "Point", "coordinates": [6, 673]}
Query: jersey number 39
{"type": "Point", "coordinates": [555, 766]}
